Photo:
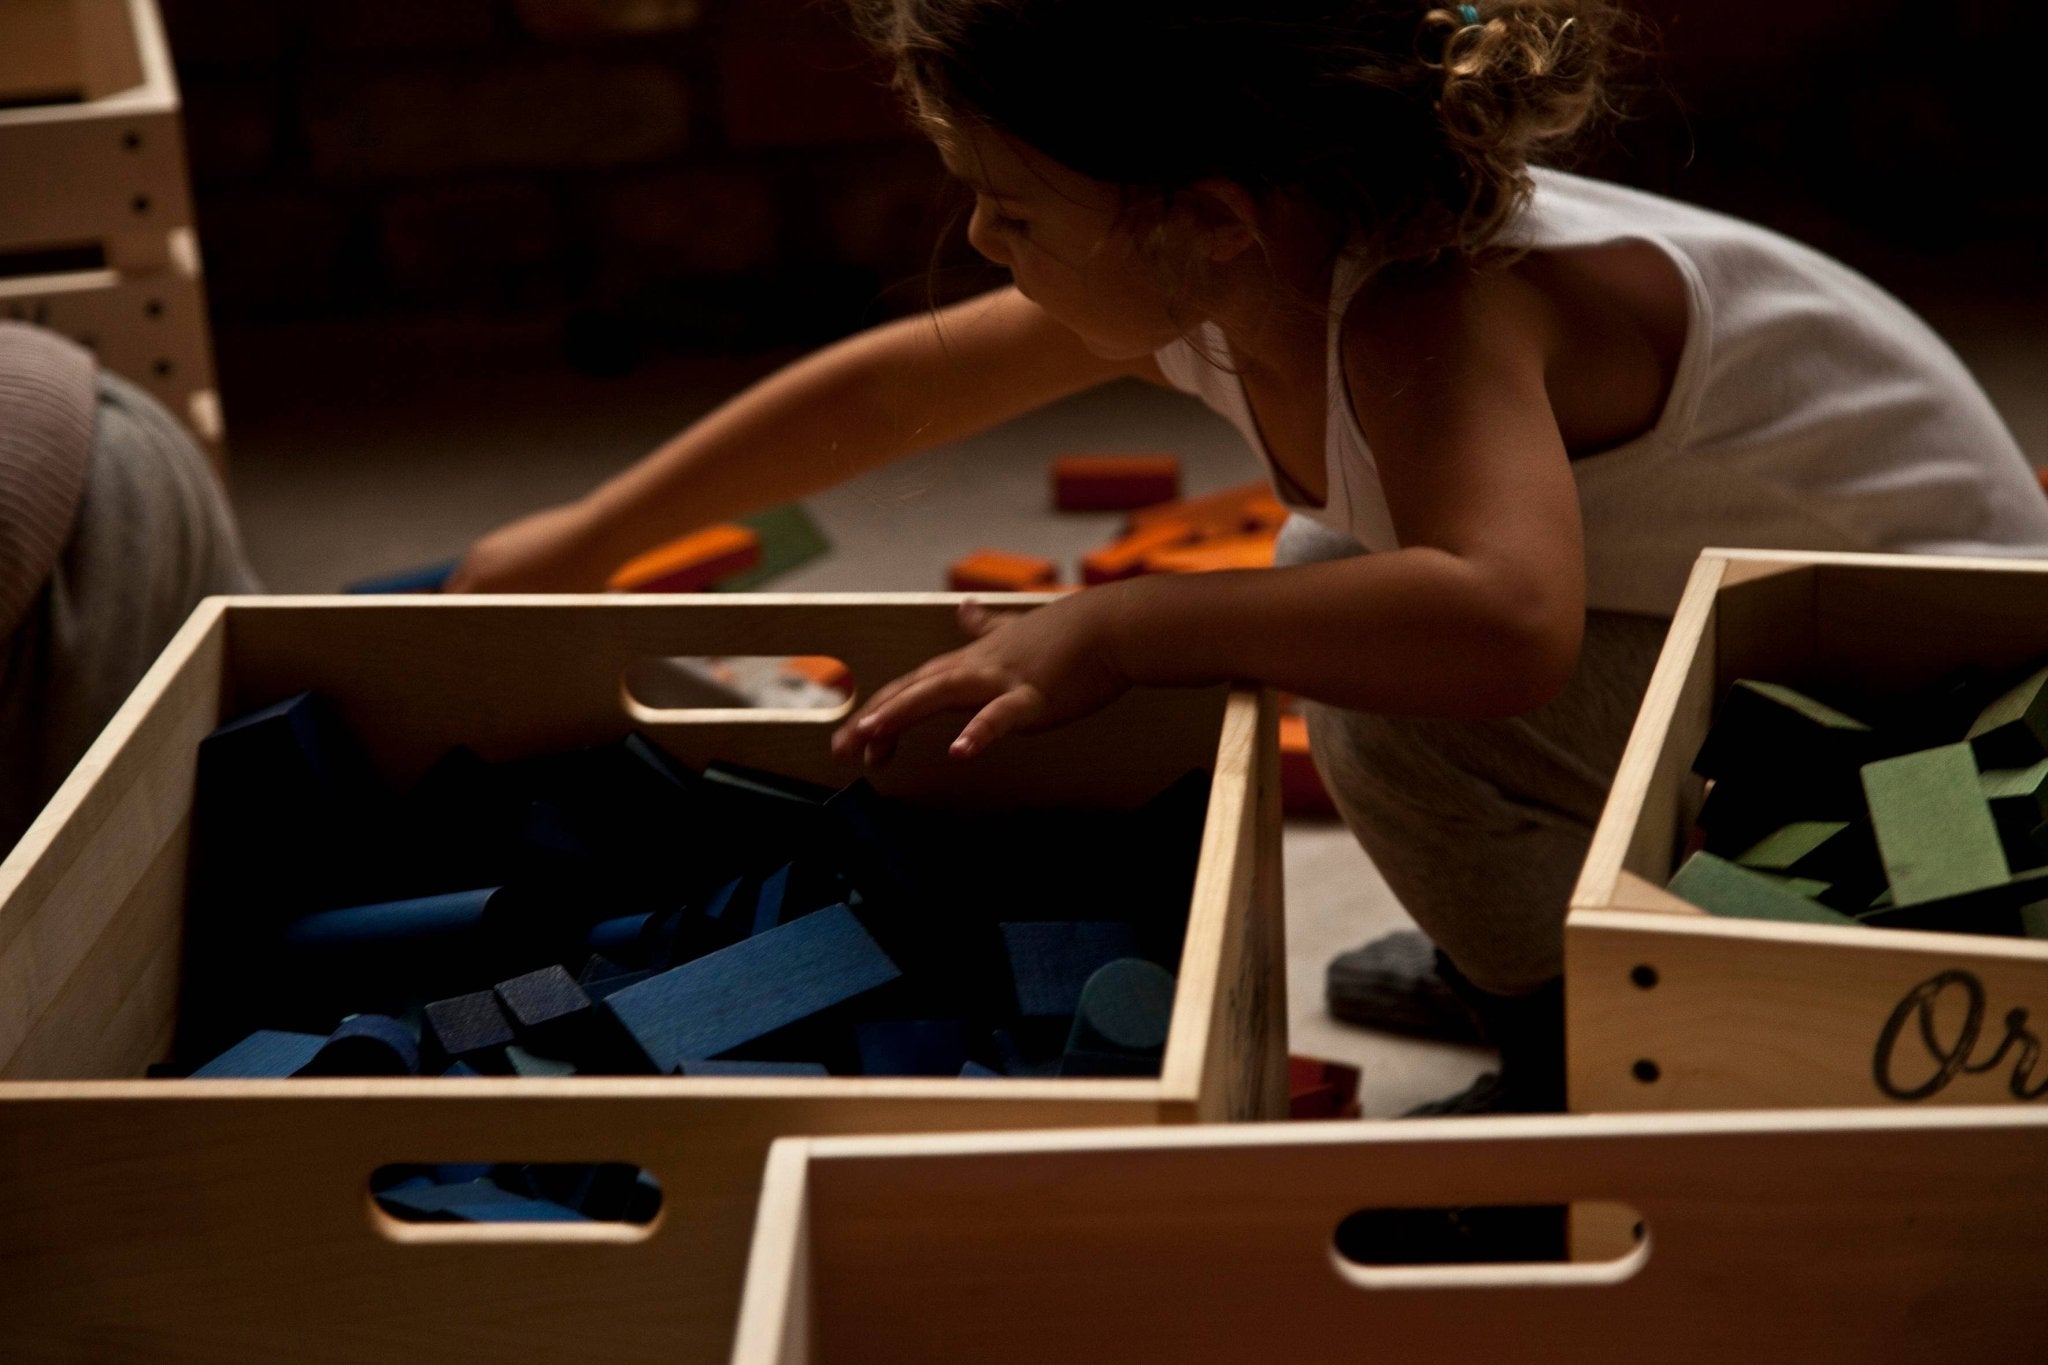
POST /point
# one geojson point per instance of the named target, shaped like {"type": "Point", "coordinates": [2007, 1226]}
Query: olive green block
{"type": "Point", "coordinates": [1723, 888]}
{"type": "Point", "coordinates": [2012, 732]}
{"type": "Point", "coordinates": [1933, 826]}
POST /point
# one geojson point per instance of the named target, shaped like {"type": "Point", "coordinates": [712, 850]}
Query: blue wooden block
{"type": "Point", "coordinates": [1051, 960]}
{"type": "Point", "coordinates": [711, 1067]}
{"type": "Point", "coordinates": [617, 938]}
{"type": "Point", "coordinates": [741, 994]}
{"type": "Point", "coordinates": [911, 1047]}
{"type": "Point", "coordinates": [461, 1071]}
{"type": "Point", "coordinates": [425, 578]}
{"type": "Point", "coordinates": [381, 955]}
{"type": "Point", "coordinates": [1124, 1013]}
{"type": "Point", "coordinates": [396, 926]}
{"type": "Point", "coordinates": [264, 1053]}
{"type": "Point", "coordinates": [473, 1201]}
{"type": "Point", "coordinates": [367, 1045]}
{"type": "Point", "coordinates": [459, 1172]}
{"type": "Point", "coordinates": [548, 1010]}
{"type": "Point", "coordinates": [976, 1071]}
{"type": "Point", "coordinates": [469, 1029]}
{"type": "Point", "coordinates": [602, 977]}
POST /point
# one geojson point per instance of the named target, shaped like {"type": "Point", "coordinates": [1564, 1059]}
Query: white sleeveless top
{"type": "Point", "coordinates": [1810, 410]}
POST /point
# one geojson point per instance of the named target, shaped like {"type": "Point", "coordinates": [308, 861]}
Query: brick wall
{"type": "Point", "coordinates": [727, 172]}
{"type": "Point", "coordinates": [718, 172]}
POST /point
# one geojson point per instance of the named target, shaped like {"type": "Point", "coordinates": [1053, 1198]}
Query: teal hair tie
{"type": "Point", "coordinates": [1469, 13]}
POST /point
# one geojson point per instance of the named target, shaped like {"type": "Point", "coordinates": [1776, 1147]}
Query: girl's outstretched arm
{"type": "Point", "coordinates": [875, 397]}
{"type": "Point", "coordinates": [1480, 613]}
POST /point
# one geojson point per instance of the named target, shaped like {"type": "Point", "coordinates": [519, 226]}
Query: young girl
{"type": "Point", "coordinates": [1507, 405]}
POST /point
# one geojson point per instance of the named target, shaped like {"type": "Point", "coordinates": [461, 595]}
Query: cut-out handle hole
{"type": "Point", "coordinates": [453, 1193]}
{"type": "Point", "coordinates": [1482, 1244]}
{"type": "Point", "coordinates": [807, 683]}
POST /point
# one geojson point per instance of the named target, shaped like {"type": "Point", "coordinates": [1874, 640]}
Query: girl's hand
{"type": "Point", "coordinates": [1025, 671]}
{"type": "Point", "coordinates": [546, 551]}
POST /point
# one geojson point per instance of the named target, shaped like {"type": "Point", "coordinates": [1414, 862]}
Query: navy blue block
{"type": "Point", "coordinates": [459, 1172]}
{"type": "Point", "coordinates": [367, 1045]}
{"type": "Point", "coordinates": [401, 924]}
{"type": "Point", "coordinates": [976, 1071]}
{"type": "Point", "coordinates": [706, 1067]}
{"type": "Point", "coordinates": [911, 1047]}
{"type": "Point", "coordinates": [602, 977]}
{"type": "Point", "coordinates": [467, 1028]}
{"type": "Point", "coordinates": [618, 937]}
{"type": "Point", "coordinates": [426, 578]}
{"type": "Point", "coordinates": [741, 994]}
{"type": "Point", "coordinates": [264, 1053]}
{"type": "Point", "coordinates": [1051, 960]}
{"type": "Point", "coordinates": [548, 1010]}
{"type": "Point", "coordinates": [1125, 1011]}
{"type": "Point", "coordinates": [771, 901]}
{"type": "Point", "coordinates": [473, 1201]}
{"type": "Point", "coordinates": [460, 1071]}
{"type": "Point", "coordinates": [524, 1063]}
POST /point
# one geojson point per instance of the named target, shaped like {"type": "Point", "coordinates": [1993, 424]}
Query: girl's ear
{"type": "Point", "coordinates": [1226, 215]}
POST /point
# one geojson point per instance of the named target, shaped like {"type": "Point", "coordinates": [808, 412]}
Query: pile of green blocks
{"type": "Point", "coordinates": [1927, 811]}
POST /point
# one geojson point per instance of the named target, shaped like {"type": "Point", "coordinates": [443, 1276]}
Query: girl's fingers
{"type": "Point", "coordinates": [848, 738]}
{"type": "Point", "coordinates": [976, 619]}
{"type": "Point", "coordinates": [1013, 710]}
{"type": "Point", "coordinates": [949, 692]}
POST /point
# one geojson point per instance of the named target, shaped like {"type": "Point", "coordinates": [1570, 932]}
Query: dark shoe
{"type": "Point", "coordinates": [1393, 983]}
{"type": "Point", "coordinates": [1529, 1031]}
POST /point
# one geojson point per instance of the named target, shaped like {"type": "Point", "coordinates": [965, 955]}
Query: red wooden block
{"type": "Point", "coordinates": [1317, 1089]}
{"type": "Point", "coordinates": [1114, 483]}
{"type": "Point", "coordinates": [1301, 786]}
{"type": "Point", "coordinates": [1000, 571]}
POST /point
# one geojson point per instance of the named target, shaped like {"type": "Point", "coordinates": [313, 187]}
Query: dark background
{"type": "Point", "coordinates": [612, 179]}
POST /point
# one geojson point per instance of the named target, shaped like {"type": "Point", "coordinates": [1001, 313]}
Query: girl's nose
{"type": "Point", "coordinates": [983, 237]}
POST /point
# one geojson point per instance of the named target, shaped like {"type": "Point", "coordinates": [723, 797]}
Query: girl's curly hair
{"type": "Point", "coordinates": [1413, 124]}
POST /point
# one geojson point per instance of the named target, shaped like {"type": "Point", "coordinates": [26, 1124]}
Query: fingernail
{"type": "Point", "coordinates": [963, 747]}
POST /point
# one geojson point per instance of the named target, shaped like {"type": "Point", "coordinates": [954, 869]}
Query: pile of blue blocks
{"type": "Point", "coordinates": [608, 911]}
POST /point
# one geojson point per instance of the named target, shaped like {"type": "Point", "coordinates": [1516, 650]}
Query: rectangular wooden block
{"type": "Point", "coordinates": [1001, 571]}
{"type": "Point", "coordinates": [1114, 483]}
{"type": "Point", "coordinates": [1934, 828]}
{"type": "Point", "coordinates": [742, 994]}
{"type": "Point", "coordinates": [1724, 888]}
{"type": "Point", "coordinates": [692, 563]}
{"type": "Point", "coordinates": [1253, 551]}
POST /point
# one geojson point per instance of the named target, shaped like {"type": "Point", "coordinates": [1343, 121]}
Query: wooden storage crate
{"type": "Point", "coordinates": [1839, 1235]}
{"type": "Point", "coordinates": [230, 1220]}
{"type": "Point", "coordinates": [92, 142]}
{"type": "Point", "coordinates": [1668, 1007]}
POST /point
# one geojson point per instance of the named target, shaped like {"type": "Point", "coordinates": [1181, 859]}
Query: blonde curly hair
{"type": "Point", "coordinates": [1413, 124]}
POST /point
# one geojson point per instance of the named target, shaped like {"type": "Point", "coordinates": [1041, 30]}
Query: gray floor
{"type": "Point", "coordinates": [360, 450]}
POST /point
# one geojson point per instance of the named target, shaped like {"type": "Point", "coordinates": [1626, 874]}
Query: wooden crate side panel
{"type": "Point", "coordinates": [538, 673]}
{"type": "Point", "coordinates": [1234, 977]}
{"type": "Point", "coordinates": [91, 897]}
{"type": "Point", "coordinates": [231, 1221]}
{"type": "Point", "coordinates": [110, 173]}
{"type": "Point", "coordinates": [1892, 629]}
{"type": "Point", "coordinates": [775, 1311]}
{"type": "Point", "coordinates": [39, 58]}
{"type": "Point", "coordinates": [150, 328]}
{"type": "Point", "coordinates": [1642, 802]}
{"type": "Point", "coordinates": [1749, 1015]}
{"type": "Point", "coordinates": [121, 45]}
{"type": "Point", "coordinates": [1844, 1243]}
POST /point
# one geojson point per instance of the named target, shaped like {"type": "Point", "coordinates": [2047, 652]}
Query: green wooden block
{"type": "Point", "coordinates": [1934, 829]}
{"type": "Point", "coordinates": [2018, 798]}
{"type": "Point", "coordinates": [1776, 739]}
{"type": "Point", "coordinates": [789, 540]}
{"type": "Point", "coordinates": [2034, 920]}
{"type": "Point", "coordinates": [2012, 732]}
{"type": "Point", "coordinates": [1995, 909]}
{"type": "Point", "coordinates": [1723, 888]}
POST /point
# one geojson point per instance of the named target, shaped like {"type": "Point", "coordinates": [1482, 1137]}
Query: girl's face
{"type": "Point", "coordinates": [1065, 241]}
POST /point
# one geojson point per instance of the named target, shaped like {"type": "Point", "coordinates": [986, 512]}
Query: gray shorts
{"type": "Point", "coordinates": [153, 535]}
{"type": "Point", "coordinates": [1480, 826]}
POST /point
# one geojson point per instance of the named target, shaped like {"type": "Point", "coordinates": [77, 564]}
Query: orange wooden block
{"type": "Point", "coordinates": [1001, 571]}
{"type": "Point", "coordinates": [691, 564]}
{"type": "Point", "coordinates": [1317, 1089]}
{"type": "Point", "coordinates": [1126, 558]}
{"type": "Point", "coordinates": [1264, 512]}
{"type": "Point", "coordinates": [1301, 786]}
{"type": "Point", "coordinates": [1216, 513]}
{"type": "Point", "coordinates": [1253, 551]}
{"type": "Point", "coordinates": [825, 672]}
{"type": "Point", "coordinates": [1113, 483]}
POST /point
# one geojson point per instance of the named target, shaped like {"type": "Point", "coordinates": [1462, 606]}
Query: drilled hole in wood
{"type": "Point", "coordinates": [140, 203]}
{"type": "Point", "coordinates": [1646, 1071]}
{"type": "Point", "coordinates": [132, 140]}
{"type": "Point", "coordinates": [1644, 976]}
{"type": "Point", "coordinates": [162, 369]}
{"type": "Point", "coordinates": [154, 308]}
